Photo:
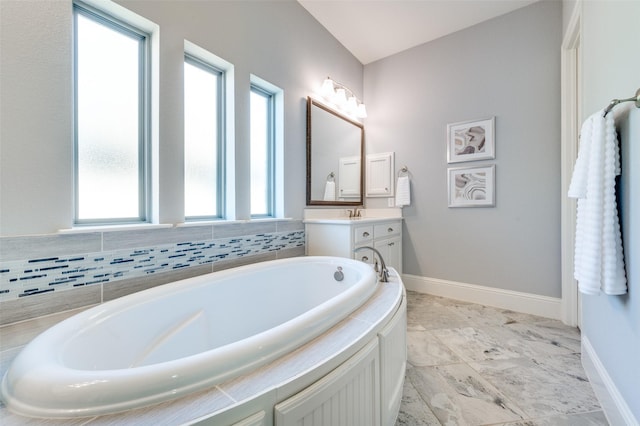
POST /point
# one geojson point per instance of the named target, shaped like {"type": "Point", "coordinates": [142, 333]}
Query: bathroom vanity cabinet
{"type": "Point", "coordinates": [339, 237]}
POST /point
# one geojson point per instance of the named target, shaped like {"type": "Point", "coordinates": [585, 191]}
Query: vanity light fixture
{"type": "Point", "coordinates": [342, 97]}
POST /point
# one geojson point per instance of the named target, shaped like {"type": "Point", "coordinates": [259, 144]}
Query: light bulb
{"type": "Point", "coordinates": [352, 105]}
{"type": "Point", "coordinates": [341, 97]}
{"type": "Point", "coordinates": [327, 91]}
{"type": "Point", "coordinates": [361, 112]}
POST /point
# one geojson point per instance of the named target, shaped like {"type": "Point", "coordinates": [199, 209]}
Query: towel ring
{"type": "Point", "coordinates": [404, 171]}
{"type": "Point", "coordinates": [331, 177]}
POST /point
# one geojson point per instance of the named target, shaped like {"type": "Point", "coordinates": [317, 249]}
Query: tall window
{"type": "Point", "coordinates": [203, 139]}
{"type": "Point", "coordinates": [262, 152]}
{"type": "Point", "coordinates": [111, 120]}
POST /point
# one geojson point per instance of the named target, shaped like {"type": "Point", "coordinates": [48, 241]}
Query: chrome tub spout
{"type": "Point", "coordinates": [384, 272]}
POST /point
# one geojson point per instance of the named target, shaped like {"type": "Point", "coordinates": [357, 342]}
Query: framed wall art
{"type": "Point", "coordinates": [471, 140]}
{"type": "Point", "coordinates": [472, 186]}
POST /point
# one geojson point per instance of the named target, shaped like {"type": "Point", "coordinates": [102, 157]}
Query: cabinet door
{"type": "Point", "coordinates": [348, 396]}
{"type": "Point", "coordinates": [391, 251]}
{"type": "Point", "coordinates": [393, 363]}
{"type": "Point", "coordinates": [379, 173]}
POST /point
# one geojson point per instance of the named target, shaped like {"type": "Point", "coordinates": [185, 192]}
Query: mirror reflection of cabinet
{"type": "Point", "coordinates": [335, 149]}
{"type": "Point", "coordinates": [349, 179]}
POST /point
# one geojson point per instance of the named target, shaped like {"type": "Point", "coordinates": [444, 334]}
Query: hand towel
{"type": "Point", "coordinates": [599, 259]}
{"type": "Point", "coordinates": [403, 193]}
{"type": "Point", "coordinates": [330, 191]}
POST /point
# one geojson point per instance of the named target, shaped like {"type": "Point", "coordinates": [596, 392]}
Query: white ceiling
{"type": "Point", "coordinates": [374, 29]}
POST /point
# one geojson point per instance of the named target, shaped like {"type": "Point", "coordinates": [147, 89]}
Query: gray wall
{"type": "Point", "coordinates": [611, 64]}
{"type": "Point", "coordinates": [277, 41]}
{"type": "Point", "coordinates": [509, 68]}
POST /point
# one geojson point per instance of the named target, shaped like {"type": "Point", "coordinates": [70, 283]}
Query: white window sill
{"type": "Point", "coordinates": [109, 228]}
{"type": "Point", "coordinates": [231, 222]}
{"type": "Point", "coordinates": [145, 226]}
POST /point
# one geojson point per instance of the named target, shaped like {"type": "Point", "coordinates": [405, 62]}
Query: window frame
{"type": "Point", "coordinates": [144, 113]}
{"type": "Point", "coordinates": [220, 137]}
{"type": "Point", "coordinates": [271, 151]}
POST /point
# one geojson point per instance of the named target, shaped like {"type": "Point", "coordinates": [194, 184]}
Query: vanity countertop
{"type": "Point", "coordinates": [350, 221]}
{"type": "Point", "coordinates": [341, 216]}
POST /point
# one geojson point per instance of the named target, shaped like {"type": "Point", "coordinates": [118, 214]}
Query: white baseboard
{"type": "Point", "coordinates": [612, 403]}
{"type": "Point", "coordinates": [549, 307]}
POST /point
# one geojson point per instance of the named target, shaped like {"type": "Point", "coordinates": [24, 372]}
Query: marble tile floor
{"type": "Point", "coordinates": [470, 364]}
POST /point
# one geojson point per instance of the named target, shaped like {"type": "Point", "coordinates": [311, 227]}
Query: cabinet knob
{"type": "Point", "coordinates": [391, 244]}
{"type": "Point", "coordinates": [390, 230]}
{"type": "Point", "coordinates": [365, 234]}
{"type": "Point", "coordinates": [365, 258]}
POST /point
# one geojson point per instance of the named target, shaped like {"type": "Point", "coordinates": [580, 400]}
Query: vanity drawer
{"type": "Point", "coordinates": [364, 255]}
{"type": "Point", "coordinates": [387, 229]}
{"type": "Point", "coordinates": [363, 234]}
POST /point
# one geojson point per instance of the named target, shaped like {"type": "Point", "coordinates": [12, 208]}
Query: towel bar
{"type": "Point", "coordinates": [615, 102]}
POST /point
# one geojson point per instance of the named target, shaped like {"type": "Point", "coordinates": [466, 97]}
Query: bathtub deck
{"type": "Point", "coordinates": [264, 386]}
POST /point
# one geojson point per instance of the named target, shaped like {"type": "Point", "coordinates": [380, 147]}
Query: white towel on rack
{"type": "Point", "coordinates": [599, 259]}
{"type": "Point", "coordinates": [330, 191]}
{"type": "Point", "coordinates": [403, 192]}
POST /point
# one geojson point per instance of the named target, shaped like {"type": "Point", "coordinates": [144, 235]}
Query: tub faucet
{"type": "Point", "coordinates": [384, 272]}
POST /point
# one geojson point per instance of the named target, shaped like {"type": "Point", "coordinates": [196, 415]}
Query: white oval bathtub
{"type": "Point", "coordinates": [182, 337]}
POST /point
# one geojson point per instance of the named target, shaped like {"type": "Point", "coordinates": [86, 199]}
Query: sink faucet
{"type": "Point", "coordinates": [384, 272]}
{"type": "Point", "coordinates": [355, 213]}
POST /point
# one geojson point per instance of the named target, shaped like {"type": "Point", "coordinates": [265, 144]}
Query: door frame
{"type": "Point", "coordinates": [570, 117]}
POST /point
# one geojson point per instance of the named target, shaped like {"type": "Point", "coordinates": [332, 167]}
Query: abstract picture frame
{"type": "Point", "coordinates": [471, 140]}
{"type": "Point", "coordinates": [472, 186]}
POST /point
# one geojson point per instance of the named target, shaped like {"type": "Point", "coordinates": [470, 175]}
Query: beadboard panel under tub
{"type": "Point", "coordinates": [41, 275]}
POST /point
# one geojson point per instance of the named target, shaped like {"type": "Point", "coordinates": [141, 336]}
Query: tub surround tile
{"type": "Point", "coordinates": [242, 261]}
{"type": "Point", "coordinates": [47, 246]}
{"type": "Point", "coordinates": [20, 333]}
{"type": "Point", "coordinates": [289, 225]}
{"type": "Point", "coordinates": [125, 287]}
{"type": "Point", "coordinates": [243, 228]}
{"type": "Point", "coordinates": [290, 252]}
{"type": "Point", "coordinates": [45, 304]}
{"type": "Point", "coordinates": [6, 356]}
{"type": "Point", "coordinates": [28, 278]}
{"type": "Point", "coordinates": [118, 240]}
{"type": "Point", "coordinates": [9, 419]}
{"type": "Point", "coordinates": [173, 412]}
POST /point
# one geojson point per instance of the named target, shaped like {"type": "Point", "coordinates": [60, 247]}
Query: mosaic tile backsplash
{"type": "Point", "coordinates": [23, 278]}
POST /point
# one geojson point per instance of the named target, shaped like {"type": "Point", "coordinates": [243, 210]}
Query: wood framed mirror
{"type": "Point", "coordinates": [335, 157]}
